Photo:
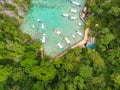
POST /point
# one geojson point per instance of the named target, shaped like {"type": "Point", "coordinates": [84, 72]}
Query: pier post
{"type": "Point", "coordinates": [42, 52]}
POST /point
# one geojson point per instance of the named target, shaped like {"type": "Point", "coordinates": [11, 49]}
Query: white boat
{"type": "Point", "coordinates": [80, 24]}
{"type": "Point", "coordinates": [73, 36]}
{"type": "Point", "coordinates": [65, 14]}
{"type": "Point", "coordinates": [42, 26]}
{"type": "Point", "coordinates": [43, 38]}
{"type": "Point", "coordinates": [60, 46]}
{"type": "Point", "coordinates": [73, 17]}
{"type": "Point", "coordinates": [33, 26]}
{"type": "Point", "coordinates": [75, 3]}
{"type": "Point", "coordinates": [38, 20]}
{"type": "Point", "coordinates": [73, 11]}
{"type": "Point", "coordinates": [57, 32]}
{"type": "Point", "coordinates": [67, 41]}
{"type": "Point", "coordinates": [79, 33]}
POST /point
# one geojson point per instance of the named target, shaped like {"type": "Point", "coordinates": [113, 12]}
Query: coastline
{"type": "Point", "coordinates": [81, 43]}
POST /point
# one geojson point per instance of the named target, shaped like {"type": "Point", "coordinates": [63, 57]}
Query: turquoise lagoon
{"type": "Point", "coordinates": [50, 13]}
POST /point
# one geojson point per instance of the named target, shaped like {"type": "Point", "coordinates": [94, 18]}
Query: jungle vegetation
{"type": "Point", "coordinates": [21, 67]}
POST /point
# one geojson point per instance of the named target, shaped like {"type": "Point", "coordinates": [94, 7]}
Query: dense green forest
{"type": "Point", "coordinates": [21, 67]}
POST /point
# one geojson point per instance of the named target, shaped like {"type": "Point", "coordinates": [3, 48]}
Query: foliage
{"type": "Point", "coordinates": [21, 67]}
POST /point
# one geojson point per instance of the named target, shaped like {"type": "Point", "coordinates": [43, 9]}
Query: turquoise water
{"type": "Point", "coordinates": [50, 13]}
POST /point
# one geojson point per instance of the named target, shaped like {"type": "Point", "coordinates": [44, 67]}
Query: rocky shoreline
{"type": "Point", "coordinates": [18, 12]}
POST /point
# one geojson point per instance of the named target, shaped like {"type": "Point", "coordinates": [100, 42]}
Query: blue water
{"type": "Point", "coordinates": [49, 12]}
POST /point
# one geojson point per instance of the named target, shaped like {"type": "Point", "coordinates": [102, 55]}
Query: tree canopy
{"type": "Point", "coordinates": [21, 67]}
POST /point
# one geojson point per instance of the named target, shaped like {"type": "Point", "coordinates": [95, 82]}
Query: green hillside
{"type": "Point", "coordinates": [21, 66]}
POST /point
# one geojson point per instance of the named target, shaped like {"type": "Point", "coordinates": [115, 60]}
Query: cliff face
{"type": "Point", "coordinates": [14, 8]}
